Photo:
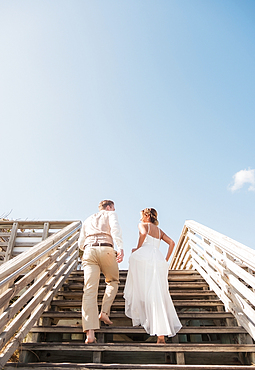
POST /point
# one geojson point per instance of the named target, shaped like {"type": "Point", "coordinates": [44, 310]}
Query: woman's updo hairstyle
{"type": "Point", "coordinates": [153, 215]}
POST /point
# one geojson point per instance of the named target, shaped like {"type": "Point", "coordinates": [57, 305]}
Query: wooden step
{"type": "Point", "coordinates": [130, 347]}
{"type": "Point", "coordinates": [86, 366]}
{"type": "Point", "coordinates": [121, 304]}
{"type": "Point", "coordinates": [119, 317]}
{"type": "Point", "coordinates": [141, 347]}
{"type": "Point", "coordinates": [181, 315]}
{"type": "Point", "coordinates": [172, 285]}
{"type": "Point", "coordinates": [186, 278]}
{"type": "Point", "coordinates": [124, 272]}
{"type": "Point", "coordinates": [182, 294]}
{"type": "Point", "coordinates": [140, 330]}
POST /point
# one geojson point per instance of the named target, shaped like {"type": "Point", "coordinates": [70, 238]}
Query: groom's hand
{"type": "Point", "coordinates": [120, 256]}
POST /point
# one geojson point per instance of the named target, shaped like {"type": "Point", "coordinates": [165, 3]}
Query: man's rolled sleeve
{"type": "Point", "coordinates": [82, 237]}
{"type": "Point", "coordinates": [115, 229]}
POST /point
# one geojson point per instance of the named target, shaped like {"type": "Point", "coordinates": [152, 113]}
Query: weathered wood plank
{"type": "Point", "coordinates": [142, 347]}
{"type": "Point", "coordinates": [31, 275]}
{"type": "Point", "coordinates": [231, 246]}
{"type": "Point", "coordinates": [124, 272]}
{"type": "Point", "coordinates": [140, 330]}
{"type": "Point", "coordinates": [15, 324]}
{"type": "Point", "coordinates": [11, 241]}
{"type": "Point", "coordinates": [182, 315]}
{"type": "Point", "coordinates": [247, 319]}
{"type": "Point", "coordinates": [86, 366]}
{"type": "Point", "coordinates": [178, 251]}
{"type": "Point", "coordinates": [174, 278]}
{"type": "Point", "coordinates": [241, 288]}
{"type": "Point", "coordinates": [35, 313]}
{"type": "Point", "coordinates": [5, 298]}
{"type": "Point", "coordinates": [212, 284]}
{"type": "Point", "coordinates": [248, 277]}
{"type": "Point", "coordinates": [198, 295]}
{"type": "Point", "coordinates": [5, 234]}
{"type": "Point", "coordinates": [183, 255]}
{"type": "Point", "coordinates": [18, 264]}
{"type": "Point", "coordinates": [46, 228]}
{"type": "Point", "coordinates": [29, 234]}
{"type": "Point", "coordinates": [22, 283]}
{"type": "Point", "coordinates": [182, 303]}
{"type": "Point", "coordinates": [36, 224]}
{"type": "Point", "coordinates": [30, 292]}
{"type": "Point", "coordinates": [227, 266]}
{"type": "Point", "coordinates": [24, 244]}
{"type": "Point", "coordinates": [171, 285]}
{"type": "Point", "coordinates": [180, 358]}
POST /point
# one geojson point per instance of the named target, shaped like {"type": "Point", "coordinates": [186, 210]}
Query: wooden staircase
{"type": "Point", "coordinates": [209, 339]}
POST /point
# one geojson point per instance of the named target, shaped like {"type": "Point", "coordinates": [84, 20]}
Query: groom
{"type": "Point", "coordinates": [96, 240]}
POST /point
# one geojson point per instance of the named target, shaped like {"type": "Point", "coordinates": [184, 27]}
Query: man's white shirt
{"type": "Point", "coordinates": [101, 227]}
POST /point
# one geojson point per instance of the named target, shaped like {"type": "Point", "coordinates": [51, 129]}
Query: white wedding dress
{"type": "Point", "coordinates": [147, 299]}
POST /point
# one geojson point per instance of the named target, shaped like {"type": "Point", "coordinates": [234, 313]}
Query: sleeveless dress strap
{"type": "Point", "coordinates": [158, 237]}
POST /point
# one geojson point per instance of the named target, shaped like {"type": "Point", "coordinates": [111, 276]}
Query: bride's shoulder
{"type": "Point", "coordinates": [143, 228]}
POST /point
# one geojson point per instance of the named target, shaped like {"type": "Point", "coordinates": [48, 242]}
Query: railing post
{"type": "Point", "coordinates": [11, 242]}
{"type": "Point", "coordinates": [227, 266]}
{"type": "Point", "coordinates": [34, 285]}
{"type": "Point", "coordinates": [46, 228]}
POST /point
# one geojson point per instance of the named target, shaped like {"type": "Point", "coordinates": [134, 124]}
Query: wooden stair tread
{"type": "Point", "coordinates": [120, 294]}
{"type": "Point", "coordinates": [141, 347]}
{"type": "Point", "coordinates": [193, 300]}
{"type": "Point", "coordinates": [173, 278]}
{"type": "Point", "coordinates": [130, 329]}
{"type": "Point", "coordinates": [185, 315]}
{"type": "Point", "coordinates": [186, 303]}
{"type": "Point", "coordinates": [124, 272]}
{"type": "Point", "coordinates": [97, 366]}
{"type": "Point", "coordinates": [186, 285]}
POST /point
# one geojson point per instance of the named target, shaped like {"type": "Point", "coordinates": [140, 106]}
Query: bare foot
{"type": "Point", "coordinates": [105, 318]}
{"type": "Point", "coordinates": [90, 336]}
{"type": "Point", "coordinates": [161, 339]}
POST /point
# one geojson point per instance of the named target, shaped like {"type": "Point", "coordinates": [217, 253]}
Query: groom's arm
{"type": "Point", "coordinates": [116, 234]}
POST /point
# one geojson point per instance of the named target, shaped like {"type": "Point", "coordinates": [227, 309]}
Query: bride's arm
{"type": "Point", "coordinates": [170, 242]}
{"type": "Point", "coordinates": [142, 235]}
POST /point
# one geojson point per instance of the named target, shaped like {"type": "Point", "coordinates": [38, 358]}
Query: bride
{"type": "Point", "coordinates": [147, 299]}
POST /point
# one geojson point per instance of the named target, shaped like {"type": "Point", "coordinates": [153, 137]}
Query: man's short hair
{"type": "Point", "coordinates": [104, 203]}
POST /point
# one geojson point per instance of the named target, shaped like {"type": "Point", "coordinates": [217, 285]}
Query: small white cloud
{"type": "Point", "coordinates": [243, 177]}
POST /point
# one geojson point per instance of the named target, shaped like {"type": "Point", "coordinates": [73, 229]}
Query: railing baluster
{"type": "Point", "coordinates": [226, 265]}
{"type": "Point", "coordinates": [43, 270]}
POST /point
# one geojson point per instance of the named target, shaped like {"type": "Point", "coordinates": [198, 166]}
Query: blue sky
{"type": "Point", "coordinates": [148, 103]}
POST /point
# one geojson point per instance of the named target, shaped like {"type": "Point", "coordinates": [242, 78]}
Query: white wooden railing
{"type": "Point", "coordinates": [28, 283]}
{"type": "Point", "coordinates": [226, 265]}
{"type": "Point", "coordinates": [18, 236]}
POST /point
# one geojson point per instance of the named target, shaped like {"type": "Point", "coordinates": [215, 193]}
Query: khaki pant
{"type": "Point", "coordinates": [95, 260]}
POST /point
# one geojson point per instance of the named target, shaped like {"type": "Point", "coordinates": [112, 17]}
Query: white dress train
{"type": "Point", "coordinates": [147, 298]}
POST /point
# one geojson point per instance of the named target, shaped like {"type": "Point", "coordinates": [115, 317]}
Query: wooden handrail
{"type": "Point", "coordinates": [227, 266]}
{"type": "Point", "coordinates": [18, 236]}
{"type": "Point", "coordinates": [29, 282]}
{"type": "Point", "coordinates": [34, 224]}
{"type": "Point", "coordinates": [17, 264]}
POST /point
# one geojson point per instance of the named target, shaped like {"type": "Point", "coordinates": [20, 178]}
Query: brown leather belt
{"type": "Point", "coordinates": [99, 245]}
